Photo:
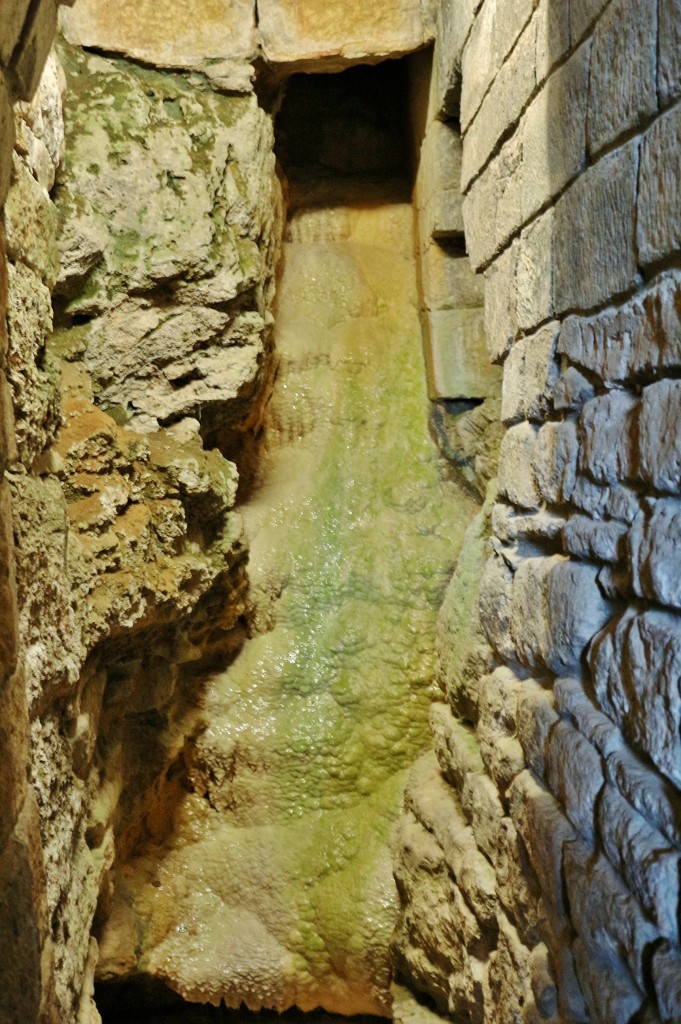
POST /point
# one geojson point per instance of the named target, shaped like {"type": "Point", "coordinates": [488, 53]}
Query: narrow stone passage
{"type": "Point", "coordinates": [276, 887]}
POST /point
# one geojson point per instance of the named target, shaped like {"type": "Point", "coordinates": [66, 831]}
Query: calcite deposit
{"type": "Point", "coordinates": [297, 765]}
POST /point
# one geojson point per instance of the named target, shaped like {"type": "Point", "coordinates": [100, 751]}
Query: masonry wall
{"type": "Point", "coordinates": [539, 862]}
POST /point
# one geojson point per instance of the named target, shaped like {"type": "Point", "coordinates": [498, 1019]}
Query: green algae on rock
{"type": "Point", "coordinates": [166, 195]}
{"type": "Point", "coordinates": [274, 886]}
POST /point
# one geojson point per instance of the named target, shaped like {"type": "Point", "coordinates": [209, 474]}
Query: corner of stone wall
{"type": "Point", "coordinates": [570, 168]}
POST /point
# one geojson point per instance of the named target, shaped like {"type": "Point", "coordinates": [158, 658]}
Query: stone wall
{"type": "Point", "coordinates": [539, 855]}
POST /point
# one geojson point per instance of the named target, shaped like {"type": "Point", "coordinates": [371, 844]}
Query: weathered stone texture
{"type": "Point", "coordinates": [659, 444]}
{"type": "Point", "coordinates": [606, 429]}
{"type": "Point", "coordinates": [570, 176]}
{"type": "Point", "coordinates": [641, 339]}
{"type": "Point", "coordinates": [594, 245]}
{"type": "Point", "coordinates": [24, 993]}
{"type": "Point", "coordinates": [669, 65]}
{"type": "Point", "coordinates": [493, 35]}
{"type": "Point", "coordinates": [340, 33]}
{"type": "Point", "coordinates": [623, 79]}
{"type": "Point", "coordinates": [635, 667]}
{"type": "Point", "coordinates": [530, 373]}
{"type": "Point", "coordinates": [659, 220]}
{"type": "Point", "coordinates": [163, 36]}
{"type": "Point", "coordinates": [552, 133]}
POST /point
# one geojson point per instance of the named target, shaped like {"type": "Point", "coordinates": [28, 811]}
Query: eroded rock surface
{"type": "Point", "coordinates": [128, 559]}
{"type": "Point", "coordinates": [273, 885]}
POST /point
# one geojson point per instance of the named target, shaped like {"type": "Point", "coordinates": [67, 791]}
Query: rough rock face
{"type": "Point", "coordinates": [465, 390]}
{"type": "Point", "coordinates": [165, 193]}
{"type": "Point", "coordinates": [309, 35]}
{"type": "Point", "coordinates": [29, 398]}
{"type": "Point", "coordinates": [219, 40]}
{"type": "Point", "coordinates": [127, 561]}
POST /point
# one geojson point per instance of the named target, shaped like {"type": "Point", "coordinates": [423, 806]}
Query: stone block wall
{"type": "Point", "coordinates": [556, 783]}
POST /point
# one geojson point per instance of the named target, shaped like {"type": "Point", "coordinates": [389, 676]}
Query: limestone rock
{"type": "Point", "coordinates": [166, 35]}
{"type": "Point", "coordinates": [651, 794]}
{"type": "Point", "coordinates": [622, 80]}
{"type": "Point", "coordinates": [463, 655]}
{"type": "Point", "coordinates": [654, 550]}
{"type": "Point", "coordinates": [594, 225]}
{"type": "Point", "coordinates": [669, 71]}
{"type": "Point", "coordinates": [632, 663]}
{"type": "Point", "coordinates": [530, 374]}
{"type": "Point", "coordinates": [7, 128]}
{"type": "Point", "coordinates": [469, 438]}
{"type": "Point", "coordinates": [501, 752]}
{"type": "Point", "coordinates": [32, 376]}
{"type": "Point", "coordinates": [40, 125]}
{"type": "Point", "coordinates": [572, 606]}
{"type": "Point", "coordinates": [659, 230]}
{"type": "Point", "coordinates": [536, 717]}
{"type": "Point", "coordinates": [501, 304]}
{"type": "Point", "coordinates": [496, 604]}
{"type": "Point", "coordinates": [643, 858]}
{"type": "Point", "coordinates": [507, 987]}
{"type": "Point", "coordinates": [666, 975]}
{"type": "Point", "coordinates": [30, 53]}
{"type": "Point", "coordinates": [30, 221]}
{"type": "Point", "coordinates": [555, 461]}
{"type": "Point", "coordinates": [571, 699]}
{"type": "Point", "coordinates": [641, 338]}
{"type": "Point", "coordinates": [608, 921]}
{"type": "Point", "coordinates": [340, 33]}
{"type": "Point", "coordinates": [22, 905]}
{"type": "Point", "coordinates": [516, 479]}
{"type": "Point", "coordinates": [456, 356]}
{"type": "Point", "coordinates": [196, 170]}
{"type": "Point", "coordinates": [575, 773]}
{"type": "Point", "coordinates": [597, 541]}
{"type": "Point", "coordinates": [186, 161]}
{"type": "Point", "coordinates": [659, 447]}
{"type": "Point", "coordinates": [606, 428]}
{"type": "Point", "coordinates": [547, 833]}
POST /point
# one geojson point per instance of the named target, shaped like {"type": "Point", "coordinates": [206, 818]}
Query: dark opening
{"type": "Point", "coordinates": [342, 132]}
{"type": "Point", "coordinates": [144, 1001]}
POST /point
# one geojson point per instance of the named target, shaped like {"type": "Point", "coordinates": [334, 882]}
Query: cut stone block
{"type": "Point", "coordinates": [456, 355]}
{"type": "Point", "coordinates": [165, 35]}
{"type": "Point", "coordinates": [336, 33]}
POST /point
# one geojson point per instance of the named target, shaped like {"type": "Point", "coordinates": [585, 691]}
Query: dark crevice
{"type": "Point", "coordinates": [340, 133]}
{"type": "Point", "coordinates": [144, 1000]}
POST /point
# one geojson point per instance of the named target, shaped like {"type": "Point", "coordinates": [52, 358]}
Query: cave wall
{"type": "Point", "coordinates": [539, 853]}
{"type": "Point", "coordinates": [123, 569]}
{"type": "Point", "coordinates": [29, 153]}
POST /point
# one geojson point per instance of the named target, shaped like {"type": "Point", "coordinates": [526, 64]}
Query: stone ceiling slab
{"type": "Point", "coordinates": [163, 33]}
{"type": "Point", "coordinates": [340, 32]}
